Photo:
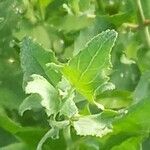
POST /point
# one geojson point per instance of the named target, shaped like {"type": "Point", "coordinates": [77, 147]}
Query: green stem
{"type": "Point", "coordinates": [44, 138]}
{"type": "Point", "coordinates": [67, 136]}
{"type": "Point", "coordinates": [100, 5]}
{"type": "Point", "coordinates": [142, 20]}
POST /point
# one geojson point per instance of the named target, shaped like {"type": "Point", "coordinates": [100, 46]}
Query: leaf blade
{"type": "Point", "coordinates": [50, 98]}
{"type": "Point", "coordinates": [88, 70]}
{"type": "Point", "coordinates": [34, 59]}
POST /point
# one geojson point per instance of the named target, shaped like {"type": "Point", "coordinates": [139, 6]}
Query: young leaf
{"type": "Point", "coordinates": [31, 102]}
{"type": "Point", "coordinates": [95, 125]}
{"type": "Point", "coordinates": [34, 59]}
{"type": "Point", "coordinates": [88, 70]}
{"type": "Point", "coordinates": [49, 95]}
{"type": "Point", "coordinates": [68, 107]}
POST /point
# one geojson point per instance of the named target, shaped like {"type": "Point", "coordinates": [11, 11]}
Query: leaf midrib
{"type": "Point", "coordinates": [95, 57]}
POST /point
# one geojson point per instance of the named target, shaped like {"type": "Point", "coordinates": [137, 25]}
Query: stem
{"type": "Point", "coordinates": [44, 138]}
{"type": "Point", "coordinates": [136, 27]}
{"type": "Point", "coordinates": [67, 136]}
{"type": "Point", "coordinates": [100, 5]}
{"type": "Point", "coordinates": [142, 21]}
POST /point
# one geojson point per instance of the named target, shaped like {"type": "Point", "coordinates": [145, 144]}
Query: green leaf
{"type": "Point", "coordinates": [29, 30]}
{"type": "Point", "coordinates": [134, 143]}
{"type": "Point", "coordinates": [125, 76]}
{"type": "Point", "coordinates": [88, 143]}
{"type": "Point", "coordinates": [15, 146]}
{"type": "Point", "coordinates": [133, 122]}
{"type": "Point", "coordinates": [146, 6]}
{"type": "Point", "coordinates": [31, 102]}
{"type": "Point", "coordinates": [143, 88]}
{"type": "Point", "coordinates": [120, 18]}
{"type": "Point", "coordinates": [100, 24]}
{"type": "Point", "coordinates": [11, 93]}
{"type": "Point", "coordinates": [84, 36]}
{"type": "Point", "coordinates": [44, 3]}
{"type": "Point", "coordinates": [9, 125]}
{"type": "Point", "coordinates": [136, 120]}
{"type": "Point", "coordinates": [88, 71]}
{"type": "Point", "coordinates": [71, 22]}
{"type": "Point", "coordinates": [22, 133]}
{"type": "Point", "coordinates": [146, 144]}
{"type": "Point", "coordinates": [144, 64]}
{"type": "Point", "coordinates": [25, 133]}
{"type": "Point", "coordinates": [34, 59]}
{"type": "Point", "coordinates": [95, 125]}
{"type": "Point", "coordinates": [115, 99]}
{"type": "Point", "coordinates": [117, 129]}
{"type": "Point", "coordinates": [8, 98]}
{"type": "Point", "coordinates": [68, 107]}
{"type": "Point", "coordinates": [49, 95]}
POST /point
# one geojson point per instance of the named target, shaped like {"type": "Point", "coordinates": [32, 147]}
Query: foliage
{"type": "Point", "coordinates": [74, 75]}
